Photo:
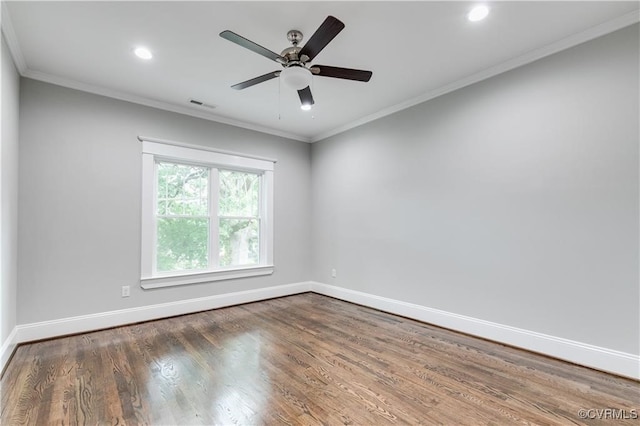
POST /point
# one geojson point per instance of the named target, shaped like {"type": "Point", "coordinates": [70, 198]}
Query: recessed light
{"type": "Point", "coordinates": [305, 107]}
{"type": "Point", "coordinates": [143, 53]}
{"type": "Point", "coordinates": [478, 13]}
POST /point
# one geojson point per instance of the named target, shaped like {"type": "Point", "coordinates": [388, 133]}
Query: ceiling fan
{"type": "Point", "coordinates": [296, 60]}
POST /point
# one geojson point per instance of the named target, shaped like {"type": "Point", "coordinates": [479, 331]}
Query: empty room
{"type": "Point", "coordinates": [314, 212]}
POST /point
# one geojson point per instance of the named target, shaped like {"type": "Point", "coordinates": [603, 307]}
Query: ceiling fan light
{"type": "Point", "coordinates": [296, 77]}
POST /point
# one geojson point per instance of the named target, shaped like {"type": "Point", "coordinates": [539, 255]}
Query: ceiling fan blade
{"type": "Point", "coordinates": [323, 35]}
{"type": "Point", "coordinates": [306, 98]}
{"type": "Point", "coordinates": [254, 81]}
{"type": "Point", "coordinates": [254, 47]}
{"type": "Point", "coordinates": [345, 73]}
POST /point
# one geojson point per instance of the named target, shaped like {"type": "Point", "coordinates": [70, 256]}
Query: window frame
{"type": "Point", "coordinates": [154, 150]}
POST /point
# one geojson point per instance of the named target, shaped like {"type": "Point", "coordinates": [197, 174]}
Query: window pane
{"type": "Point", "coordinates": [239, 193]}
{"type": "Point", "coordinates": [239, 242]}
{"type": "Point", "coordinates": [182, 190]}
{"type": "Point", "coordinates": [182, 244]}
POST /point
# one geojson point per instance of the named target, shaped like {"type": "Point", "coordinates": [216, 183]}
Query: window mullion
{"type": "Point", "coordinates": [214, 232]}
{"type": "Point", "coordinates": [154, 220]}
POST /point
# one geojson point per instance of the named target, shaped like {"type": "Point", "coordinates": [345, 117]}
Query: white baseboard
{"type": "Point", "coordinates": [85, 323]}
{"type": "Point", "coordinates": [7, 348]}
{"type": "Point", "coordinates": [620, 363]}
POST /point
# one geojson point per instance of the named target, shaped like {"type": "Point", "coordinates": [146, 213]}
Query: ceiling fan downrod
{"type": "Point", "coordinates": [292, 54]}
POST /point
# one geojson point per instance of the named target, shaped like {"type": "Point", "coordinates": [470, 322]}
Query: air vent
{"type": "Point", "coordinates": [201, 104]}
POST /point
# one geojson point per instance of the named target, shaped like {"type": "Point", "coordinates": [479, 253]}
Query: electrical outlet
{"type": "Point", "coordinates": [126, 291]}
{"type": "Point", "coordinates": [333, 273]}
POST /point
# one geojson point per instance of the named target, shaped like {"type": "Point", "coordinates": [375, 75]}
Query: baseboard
{"type": "Point", "coordinates": [7, 348]}
{"type": "Point", "coordinates": [620, 363]}
{"type": "Point", "coordinates": [86, 323]}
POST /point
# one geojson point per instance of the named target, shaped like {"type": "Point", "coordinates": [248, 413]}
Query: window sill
{"type": "Point", "coordinates": [203, 277]}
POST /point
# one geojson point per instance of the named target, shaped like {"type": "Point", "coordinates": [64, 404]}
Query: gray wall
{"type": "Point", "coordinates": [9, 195]}
{"type": "Point", "coordinates": [514, 200]}
{"type": "Point", "coordinates": [80, 173]}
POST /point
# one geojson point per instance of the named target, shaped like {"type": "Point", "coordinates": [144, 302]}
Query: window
{"type": "Point", "coordinates": [239, 218]}
{"type": "Point", "coordinates": [206, 215]}
{"type": "Point", "coordinates": [182, 217]}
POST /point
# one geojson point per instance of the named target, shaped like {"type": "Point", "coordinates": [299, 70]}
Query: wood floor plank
{"type": "Point", "coordinates": [300, 360]}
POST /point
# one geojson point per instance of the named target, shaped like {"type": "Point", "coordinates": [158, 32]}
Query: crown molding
{"type": "Point", "coordinates": [566, 43]}
{"type": "Point", "coordinates": [123, 96]}
{"type": "Point", "coordinates": [610, 26]}
{"type": "Point", "coordinates": [11, 39]}
{"type": "Point", "coordinates": [21, 65]}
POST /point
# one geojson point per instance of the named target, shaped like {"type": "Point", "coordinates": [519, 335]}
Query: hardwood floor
{"type": "Point", "coordinates": [304, 359]}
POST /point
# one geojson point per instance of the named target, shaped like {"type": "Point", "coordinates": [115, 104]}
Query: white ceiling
{"type": "Point", "coordinates": [416, 50]}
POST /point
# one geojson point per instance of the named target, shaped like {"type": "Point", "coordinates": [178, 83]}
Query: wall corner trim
{"type": "Point", "coordinates": [609, 360]}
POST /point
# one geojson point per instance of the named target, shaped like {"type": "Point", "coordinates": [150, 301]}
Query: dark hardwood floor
{"type": "Point", "coordinates": [304, 359]}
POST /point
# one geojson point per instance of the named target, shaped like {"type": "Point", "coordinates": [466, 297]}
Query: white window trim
{"type": "Point", "coordinates": [154, 149]}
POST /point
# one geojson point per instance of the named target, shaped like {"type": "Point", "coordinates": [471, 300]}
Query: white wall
{"type": "Point", "coordinates": [514, 200]}
{"type": "Point", "coordinates": [80, 173]}
{"type": "Point", "coordinates": [9, 200]}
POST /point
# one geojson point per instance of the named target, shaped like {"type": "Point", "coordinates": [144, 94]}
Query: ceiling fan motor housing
{"type": "Point", "coordinates": [292, 54]}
